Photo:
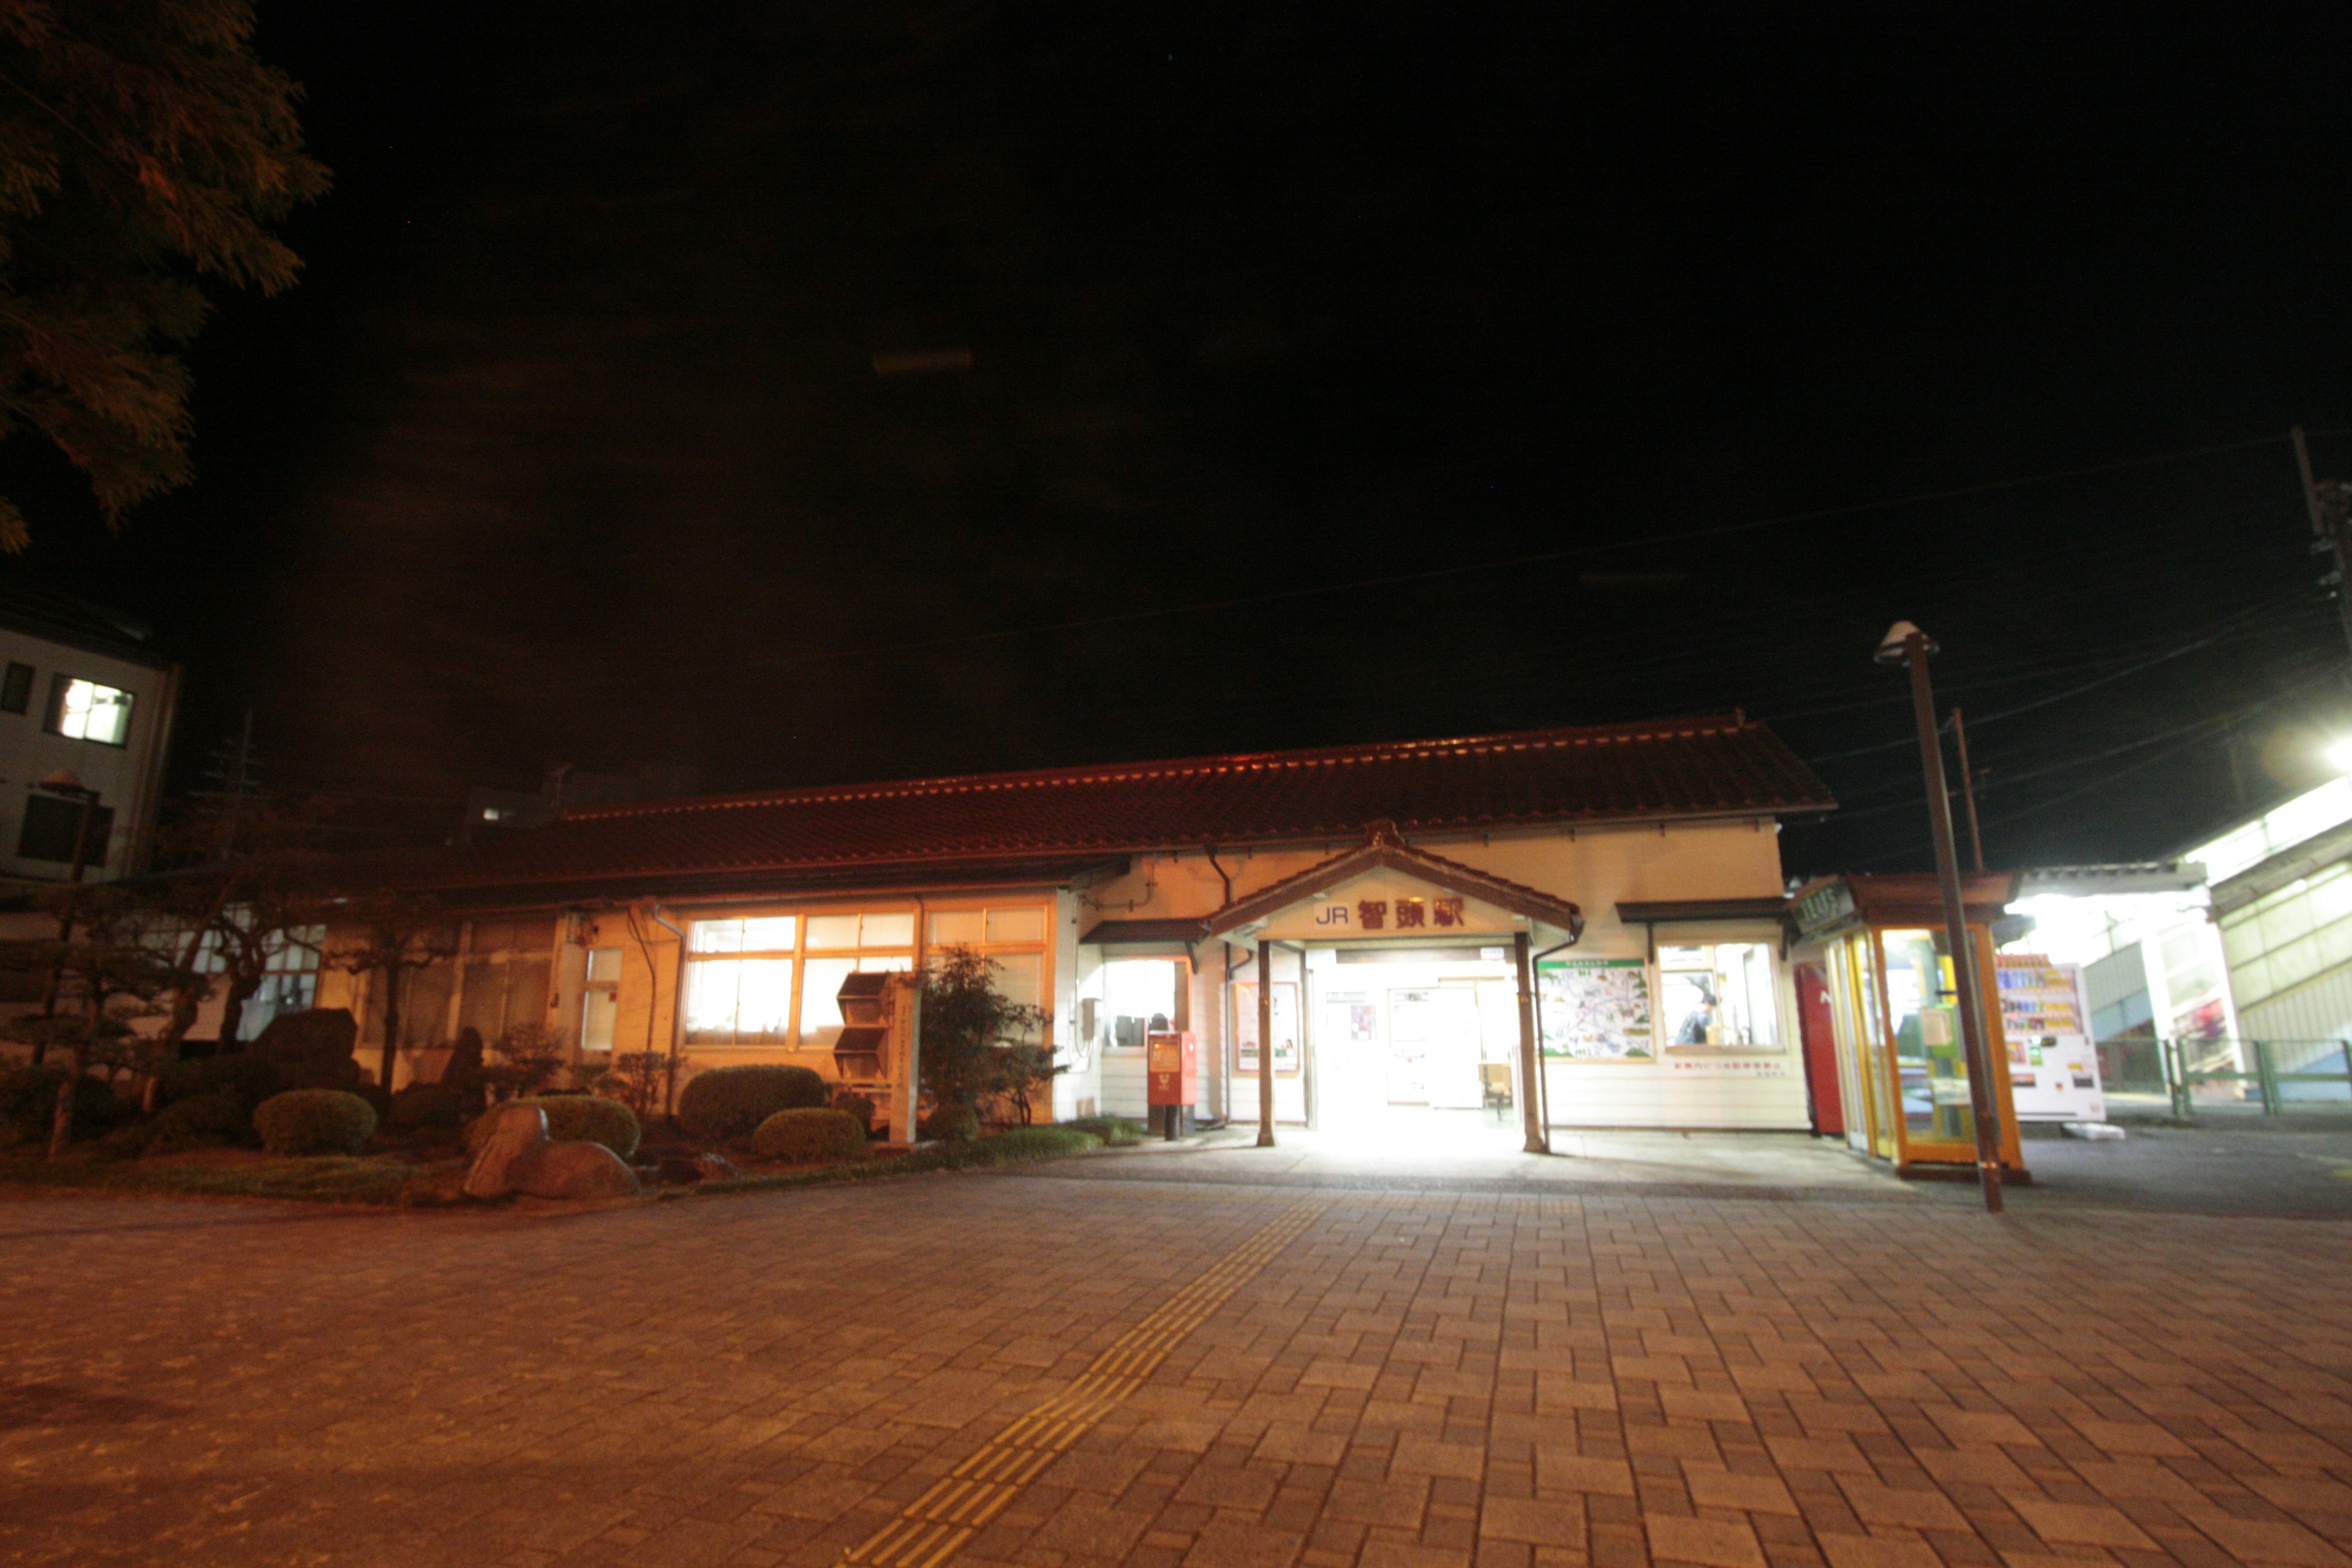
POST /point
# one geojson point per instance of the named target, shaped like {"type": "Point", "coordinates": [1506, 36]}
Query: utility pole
{"type": "Point", "coordinates": [2328, 503]}
{"type": "Point", "coordinates": [1968, 790]}
{"type": "Point", "coordinates": [1906, 645]}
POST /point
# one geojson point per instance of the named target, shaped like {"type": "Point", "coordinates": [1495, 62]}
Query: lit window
{"type": "Point", "coordinates": [85, 711]}
{"type": "Point", "coordinates": [600, 1006]}
{"type": "Point", "coordinates": [1718, 997]}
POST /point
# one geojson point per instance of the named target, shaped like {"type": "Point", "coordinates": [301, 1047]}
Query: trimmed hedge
{"type": "Point", "coordinates": [720, 1105]}
{"type": "Point", "coordinates": [570, 1119]}
{"type": "Point", "coordinates": [1016, 1147]}
{"type": "Point", "coordinates": [952, 1124]}
{"type": "Point", "coordinates": [1117, 1132]}
{"type": "Point", "coordinates": [314, 1122]}
{"type": "Point", "coordinates": [199, 1122]}
{"type": "Point", "coordinates": [855, 1104]}
{"type": "Point", "coordinates": [806, 1136]}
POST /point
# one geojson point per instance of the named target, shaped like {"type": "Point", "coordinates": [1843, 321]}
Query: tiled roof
{"type": "Point", "coordinates": [1709, 767]}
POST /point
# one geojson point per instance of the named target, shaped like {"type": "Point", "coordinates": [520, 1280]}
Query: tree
{"type": "Point", "coordinates": [399, 932]}
{"type": "Point", "coordinates": [121, 949]}
{"type": "Point", "coordinates": [143, 150]}
{"type": "Point", "coordinates": [969, 1026]}
{"type": "Point", "coordinates": [252, 886]}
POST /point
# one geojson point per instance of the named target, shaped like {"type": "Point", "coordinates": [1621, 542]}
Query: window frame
{"type": "Point", "coordinates": [917, 952]}
{"type": "Point", "coordinates": [54, 721]}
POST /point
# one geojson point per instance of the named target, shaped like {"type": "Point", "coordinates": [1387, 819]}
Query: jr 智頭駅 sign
{"type": "Point", "coordinates": [1386, 905]}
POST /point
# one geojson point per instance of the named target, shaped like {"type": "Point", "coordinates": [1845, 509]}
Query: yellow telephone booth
{"type": "Point", "coordinates": [1895, 1012]}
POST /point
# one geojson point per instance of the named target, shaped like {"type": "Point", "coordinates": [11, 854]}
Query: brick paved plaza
{"type": "Point", "coordinates": [1410, 1381]}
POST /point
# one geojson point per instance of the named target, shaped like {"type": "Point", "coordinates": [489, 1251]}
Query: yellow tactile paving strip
{"type": "Point", "coordinates": [935, 1524]}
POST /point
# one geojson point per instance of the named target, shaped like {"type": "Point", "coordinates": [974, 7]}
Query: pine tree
{"type": "Point", "coordinates": [144, 149]}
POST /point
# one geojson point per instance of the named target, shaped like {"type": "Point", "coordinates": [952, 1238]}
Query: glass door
{"type": "Point", "coordinates": [1860, 967]}
{"type": "Point", "coordinates": [1930, 1066]}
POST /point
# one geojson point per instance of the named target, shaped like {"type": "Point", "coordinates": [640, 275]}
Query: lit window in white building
{"type": "Point", "coordinates": [85, 711]}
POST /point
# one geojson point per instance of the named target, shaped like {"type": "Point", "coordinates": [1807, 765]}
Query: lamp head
{"type": "Point", "coordinates": [1894, 647]}
{"type": "Point", "coordinates": [2339, 756]}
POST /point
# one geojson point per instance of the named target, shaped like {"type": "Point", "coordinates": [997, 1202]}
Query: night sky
{"type": "Point", "coordinates": [1329, 374]}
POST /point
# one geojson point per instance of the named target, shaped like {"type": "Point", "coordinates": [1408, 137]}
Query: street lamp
{"type": "Point", "coordinates": [1907, 644]}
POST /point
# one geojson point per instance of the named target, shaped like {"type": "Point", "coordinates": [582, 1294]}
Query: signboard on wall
{"type": "Point", "coordinates": [2054, 1068]}
{"type": "Point", "coordinates": [1384, 906]}
{"type": "Point", "coordinates": [1286, 1027]}
{"type": "Point", "coordinates": [1597, 1009]}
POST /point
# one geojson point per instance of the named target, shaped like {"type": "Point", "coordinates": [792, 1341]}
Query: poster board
{"type": "Point", "coordinates": [2054, 1068]}
{"type": "Point", "coordinates": [1597, 1010]}
{"type": "Point", "coordinates": [1285, 1028]}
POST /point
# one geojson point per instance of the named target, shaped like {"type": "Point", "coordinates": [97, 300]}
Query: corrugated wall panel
{"type": "Point", "coordinates": [2318, 1009]}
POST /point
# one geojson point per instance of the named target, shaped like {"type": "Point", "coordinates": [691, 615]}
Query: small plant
{"type": "Point", "coordinates": [1020, 1072]}
{"type": "Point", "coordinates": [855, 1104]}
{"type": "Point", "coordinates": [529, 1055]}
{"type": "Point", "coordinates": [28, 1099]}
{"type": "Point", "coordinates": [570, 1119]}
{"type": "Point", "coordinates": [200, 1121]}
{"type": "Point", "coordinates": [314, 1122]}
{"type": "Point", "coordinates": [808, 1135]}
{"type": "Point", "coordinates": [952, 1124]}
{"type": "Point", "coordinates": [635, 1078]}
{"type": "Point", "coordinates": [1117, 1132]}
{"type": "Point", "coordinates": [720, 1104]}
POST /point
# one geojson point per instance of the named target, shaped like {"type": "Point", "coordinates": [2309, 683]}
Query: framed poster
{"type": "Point", "coordinates": [1597, 1009]}
{"type": "Point", "coordinates": [1286, 1027]}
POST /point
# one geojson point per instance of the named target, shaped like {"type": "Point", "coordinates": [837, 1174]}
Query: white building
{"type": "Point", "coordinates": [81, 693]}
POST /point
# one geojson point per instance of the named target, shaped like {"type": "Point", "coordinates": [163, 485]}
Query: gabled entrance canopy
{"type": "Point", "coordinates": [1396, 892]}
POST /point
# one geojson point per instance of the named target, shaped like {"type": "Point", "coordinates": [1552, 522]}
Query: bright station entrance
{"type": "Point", "coordinates": [1409, 1044]}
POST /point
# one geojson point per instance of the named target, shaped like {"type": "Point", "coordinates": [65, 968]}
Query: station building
{"type": "Point", "coordinates": [1392, 896]}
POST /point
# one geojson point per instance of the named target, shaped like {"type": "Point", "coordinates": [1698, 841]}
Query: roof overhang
{"type": "Point", "coordinates": [1694, 911]}
{"type": "Point", "coordinates": [1383, 850]}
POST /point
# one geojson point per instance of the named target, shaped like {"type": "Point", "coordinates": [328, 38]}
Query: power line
{"type": "Point", "coordinates": [1717, 531]}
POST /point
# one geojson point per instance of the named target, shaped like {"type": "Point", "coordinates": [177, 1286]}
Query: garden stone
{"type": "Point", "coordinates": [681, 1169]}
{"type": "Point", "coordinates": [513, 1139]}
{"type": "Point", "coordinates": [715, 1168]}
{"type": "Point", "coordinates": [572, 1171]}
{"type": "Point", "coordinates": [311, 1048]}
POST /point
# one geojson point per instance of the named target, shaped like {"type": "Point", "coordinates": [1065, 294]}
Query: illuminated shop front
{"type": "Point", "coordinates": [1895, 1011]}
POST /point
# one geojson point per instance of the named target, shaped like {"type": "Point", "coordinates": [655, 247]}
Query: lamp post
{"type": "Point", "coordinates": [1907, 644]}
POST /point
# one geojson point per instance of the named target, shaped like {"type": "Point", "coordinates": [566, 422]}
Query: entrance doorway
{"type": "Point", "coordinates": [1414, 1044]}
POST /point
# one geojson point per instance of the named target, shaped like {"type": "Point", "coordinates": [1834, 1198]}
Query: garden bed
{"type": "Point", "coordinates": [416, 1175]}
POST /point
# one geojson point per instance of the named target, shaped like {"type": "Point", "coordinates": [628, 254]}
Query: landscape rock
{"type": "Point", "coordinates": [570, 1169]}
{"type": "Point", "coordinates": [513, 1141]}
{"type": "Point", "coordinates": [680, 1168]}
{"type": "Point", "coordinates": [716, 1168]}
{"type": "Point", "coordinates": [311, 1048]}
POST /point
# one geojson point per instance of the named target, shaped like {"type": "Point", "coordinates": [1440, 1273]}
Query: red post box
{"type": "Point", "coordinates": [1172, 1061]}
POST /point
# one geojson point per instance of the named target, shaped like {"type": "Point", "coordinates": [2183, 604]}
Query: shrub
{"type": "Point", "coordinates": [314, 1122]}
{"type": "Point", "coordinates": [250, 1079]}
{"type": "Point", "coordinates": [199, 1122]}
{"type": "Point", "coordinates": [1117, 1132]}
{"type": "Point", "coordinates": [952, 1124]}
{"type": "Point", "coordinates": [424, 1106]}
{"type": "Point", "coordinates": [808, 1135]}
{"type": "Point", "coordinates": [28, 1101]}
{"type": "Point", "coordinates": [855, 1104]}
{"type": "Point", "coordinates": [722, 1104]}
{"type": "Point", "coordinates": [570, 1119]}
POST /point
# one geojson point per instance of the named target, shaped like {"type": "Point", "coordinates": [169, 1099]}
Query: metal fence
{"type": "Point", "coordinates": [2242, 1076]}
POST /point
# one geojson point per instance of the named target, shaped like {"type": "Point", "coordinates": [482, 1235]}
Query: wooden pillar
{"type": "Point", "coordinates": [1531, 1052]}
{"type": "Point", "coordinates": [1265, 1044]}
